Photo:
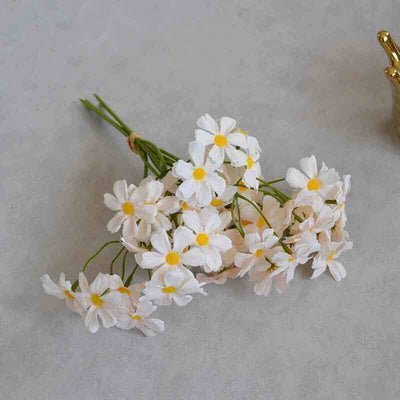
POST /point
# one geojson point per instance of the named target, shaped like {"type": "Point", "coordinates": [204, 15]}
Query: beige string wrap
{"type": "Point", "coordinates": [131, 141]}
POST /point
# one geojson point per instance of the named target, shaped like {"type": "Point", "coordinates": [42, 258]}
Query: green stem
{"type": "Point", "coordinates": [123, 264]}
{"type": "Point", "coordinates": [76, 283]}
{"type": "Point", "coordinates": [115, 259]}
{"type": "Point", "coordinates": [130, 277]}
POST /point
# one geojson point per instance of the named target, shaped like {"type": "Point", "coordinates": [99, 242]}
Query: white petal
{"type": "Point", "coordinates": [146, 212]}
{"type": "Point", "coordinates": [309, 166]}
{"type": "Point", "coordinates": [91, 321]}
{"type": "Point", "coordinates": [213, 258]}
{"type": "Point", "coordinates": [120, 189]}
{"type": "Point", "coordinates": [183, 169]}
{"type": "Point", "coordinates": [208, 123]}
{"type": "Point", "coordinates": [188, 188]}
{"type": "Point", "coordinates": [107, 318]}
{"type": "Point", "coordinates": [168, 205]}
{"type": "Point", "coordinates": [111, 202]}
{"type": "Point", "coordinates": [193, 257]}
{"type": "Point", "coordinates": [217, 154]}
{"type": "Point", "coordinates": [296, 179]}
{"type": "Point", "coordinates": [51, 287]}
{"type": "Point", "coordinates": [337, 270]}
{"type": "Point", "coordinates": [197, 151]}
{"type": "Point", "coordinates": [183, 237]}
{"type": "Point", "coordinates": [151, 259]}
{"type": "Point", "coordinates": [143, 233]}
{"type": "Point", "coordinates": [173, 278]}
{"type": "Point", "coordinates": [238, 139]}
{"type": "Point", "coordinates": [222, 242]}
{"type": "Point", "coordinates": [237, 157]}
{"type": "Point", "coordinates": [204, 137]}
{"type": "Point", "coordinates": [192, 220]}
{"type": "Point", "coordinates": [182, 300]}
{"type": "Point", "coordinates": [83, 283]}
{"type": "Point", "coordinates": [160, 242]}
{"type": "Point", "coordinates": [217, 183]}
{"type": "Point", "coordinates": [100, 284]}
{"type": "Point", "coordinates": [227, 125]}
{"type": "Point", "coordinates": [203, 194]}
{"type": "Point", "coordinates": [115, 222]}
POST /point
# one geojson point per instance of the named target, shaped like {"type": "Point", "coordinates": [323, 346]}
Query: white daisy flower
{"type": "Point", "coordinates": [129, 238]}
{"type": "Point", "coordinates": [138, 317]}
{"type": "Point", "coordinates": [256, 256]}
{"type": "Point", "coordinates": [172, 257]}
{"type": "Point", "coordinates": [129, 202]}
{"type": "Point", "coordinates": [207, 227]}
{"type": "Point", "coordinates": [172, 285]}
{"type": "Point", "coordinates": [62, 291]}
{"type": "Point", "coordinates": [288, 262]}
{"type": "Point", "coordinates": [264, 281]}
{"type": "Point", "coordinates": [327, 257]}
{"type": "Point", "coordinates": [200, 180]}
{"type": "Point", "coordinates": [251, 164]}
{"type": "Point", "coordinates": [98, 305]}
{"type": "Point", "coordinates": [223, 137]}
{"type": "Point", "coordinates": [315, 187]}
{"type": "Point", "coordinates": [344, 190]}
{"type": "Point", "coordinates": [219, 202]}
{"type": "Point", "coordinates": [129, 295]}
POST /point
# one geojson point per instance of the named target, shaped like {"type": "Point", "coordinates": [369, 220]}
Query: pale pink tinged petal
{"type": "Point", "coordinates": [120, 189]}
{"type": "Point", "coordinates": [183, 237]}
{"type": "Point", "coordinates": [217, 154]}
{"type": "Point", "coordinates": [154, 190]}
{"type": "Point", "coordinates": [203, 194]}
{"type": "Point", "coordinates": [168, 205]}
{"type": "Point", "coordinates": [144, 231]}
{"type": "Point", "coordinates": [129, 229]}
{"type": "Point", "coordinates": [226, 219]}
{"type": "Point", "coordinates": [217, 183]}
{"type": "Point", "coordinates": [192, 220]}
{"type": "Point", "coordinates": [237, 157]}
{"type": "Point", "coordinates": [281, 259]}
{"type": "Point", "coordinates": [242, 260]}
{"type": "Point", "coordinates": [188, 188]}
{"type": "Point", "coordinates": [197, 152]}
{"type": "Point", "coordinates": [115, 222]}
{"type": "Point", "coordinates": [193, 257]}
{"type": "Point", "coordinates": [252, 240]}
{"type": "Point", "coordinates": [264, 287]}
{"type": "Point", "coordinates": [208, 123]}
{"type": "Point", "coordinates": [296, 179]}
{"type": "Point", "coordinates": [183, 169]}
{"type": "Point", "coordinates": [146, 212]}
{"type": "Point", "coordinates": [210, 219]}
{"type": "Point", "coordinates": [83, 283]}
{"type": "Point", "coordinates": [237, 139]}
{"type": "Point", "coordinates": [203, 137]}
{"type": "Point", "coordinates": [249, 213]}
{"type": "Point", "coordinates": [91, 321]}
{"type": "Point", "coordinates": [318, 272]}
{"type": "Point", "coordinates": [156, 325]}
{"type": "Point", "coordinates": [281, 283]}
{"type": "Point", "coordinates": [213, 258]}
{"type": "Point", "coordinates": [111, 202]}
{"type": "Point", "coordinates": [329, 177]}
{"type": "Point", "coordinates": [222, 242]}
{"type": "Point", "coordinates": [173, 278]}
{"type": "Point", "coordinates": [162, 222]}
{"type": "Point", "coordinates": [337, 270]}
{"type": "Point", "coordinates": [100, 284]}
{"type": "Point", "coordinates": [51, 287]}
{"type": "Point", "coordinates": [151, 259]}
{"type": "Point", "coordinates": [309, 166]}
{"type": "Point", "coordinates": [182, 300]}
{"type": "Point", "coordinates": [290, 273]}
{"type": "Point", "coordinates": [229, 192]}
{"type": "Point", "coordinates": [261, 264]}
{"type": "Point", "coordinates": [107, 318]}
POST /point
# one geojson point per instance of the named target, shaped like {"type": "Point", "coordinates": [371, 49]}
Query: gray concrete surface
{"type": "Point", "coordinates": [304, 77]}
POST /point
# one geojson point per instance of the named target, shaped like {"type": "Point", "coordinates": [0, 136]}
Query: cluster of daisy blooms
{"type": "Point", "coordinates": [207, 220]}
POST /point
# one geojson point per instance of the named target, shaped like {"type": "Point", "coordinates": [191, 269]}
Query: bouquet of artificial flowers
{"type": "Point", "coordinates": [205, 220]}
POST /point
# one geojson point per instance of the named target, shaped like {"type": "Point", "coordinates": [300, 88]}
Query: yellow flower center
{"type": "Point", "coordinates": [245, 222]}
{"type": "Point", "coordinates": [128, 208]}
{"type": "Point", "coordinates": [68, 294]}
{"type": "Point", "coordinates": [341, 206]}
{"type": "Point", "coordinates": [123, 289]}
{"type": "Point", "coordinates": [216, 202]}
{"type": "Point", "coordinates": [242, 186]}
{"type": "Point", "coordinates": [331, 254]}
{"type": "Point", "coordinates": [199, 174]}
{"type": "Point", "coordinates": [96, 300]}
{"type": "Point", "coordinates": [271, 269]}
{"type": "Point", "coordinates": [136, 317]}
{"type": "Point", "coordinates": [291, 259]}
{"type": "Point", "coordinates": [184, 206]}
{"type": "Point", "coordinates": [250, 162]}
{"type": "Point", "coordinates": [259, 253]}
{"type": "Point", "coordinates": [220, 140]}
{"type": "Point", "coordinates": [172, 258]}
{"type": "Point", "coordinates": [313, 184]}
{"type": "Point", "coordinates": [202, 239]}
{"type": "Point", "coordinates": [243, 132]}
{"type": "Point", "coordinates": [169, 289]}
{"type": "Point", "coordinates": [260, 222]}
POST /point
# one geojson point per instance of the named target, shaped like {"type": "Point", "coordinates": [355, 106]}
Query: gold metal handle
{"type": "Point", "coordinates": [393, 53]}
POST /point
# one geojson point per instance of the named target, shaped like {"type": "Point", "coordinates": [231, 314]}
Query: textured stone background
{"type": "Point", "coordinates": [304, 77]}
